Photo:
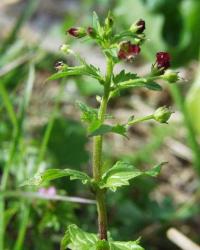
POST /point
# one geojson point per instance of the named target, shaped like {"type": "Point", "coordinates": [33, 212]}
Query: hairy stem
{"type": "Point", "coordinates": [97, 157]}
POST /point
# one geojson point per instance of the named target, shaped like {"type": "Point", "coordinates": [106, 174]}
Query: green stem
{"type": "Point", "coordinates": [138, 120]}
{"type": "Point", "coordinates": [97, 157]}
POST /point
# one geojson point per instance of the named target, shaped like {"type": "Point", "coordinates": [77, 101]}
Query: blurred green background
{"type": "Point", "coordinates": [40, 126]}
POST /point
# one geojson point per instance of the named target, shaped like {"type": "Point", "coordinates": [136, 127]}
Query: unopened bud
{"type": "Point", "coordinates": [109, 20]}
{"type": "Point", "coordinates": [138, 27]}
{"type": "Point", "coordinates": [65, 48]}
{"type": "Point", "coordinates": [91, 32]}
{"type": "Point", "coordinates": [77, 32]}
{"type": "Point", "coordinates": [170, 76]}
{"type": "Point", "coordinates": [162, 114]}
{"type": "Point", "coordinates": [60, 66]}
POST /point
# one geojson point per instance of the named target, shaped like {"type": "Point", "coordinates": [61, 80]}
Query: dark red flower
{"type": "Point", "coordinates": [77, 32]}
{"type": "Point", "coordinates": [141, 26]}
{"type": "Point", "coordinates": [128, 51]}
{"type": "Point", "coordinates": [163, 60]}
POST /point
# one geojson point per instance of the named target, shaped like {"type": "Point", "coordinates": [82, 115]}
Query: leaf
{"type": "Point", "coordinates": [153, 86]}
{"type": "Point", "coordinates": [91, 70]}
{"type": "Point", "coordinates": [80, 240]}
{"type": "Point", "coordinates": [70, 71]}
{"type": "Point", "coordinates": [112, 53]}
{"type": "Point", "coordinates": [96, 23]}
{"type": "Point", "coordinates": [65, 241]}
{"type": "Point", "coordinates": [88, 114]}
{"type": "Point", "coordinates": [123, 35]}
{"type": "Point", "coordinates": [123, 76]}
{"type": "Point", "coordinates": [77, 239]}
{"type": "Point", "coordinates": [52, 174]}
{"type": "Point", "coordinates": [85, 69]}
{"type": "Point", "coordinates": [130, 245]}
{"type": "Point", "coordinates": [133, 83]}
{"type": "Point", "coordinates": [155, 170]}
{"type": "Point", "coordinates": [105, 128]}
{"type": "Point", "coordinates": [120, 174]}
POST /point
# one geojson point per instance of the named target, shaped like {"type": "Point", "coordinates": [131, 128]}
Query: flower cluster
{"type": "Point", "coordinates": [127, 49]}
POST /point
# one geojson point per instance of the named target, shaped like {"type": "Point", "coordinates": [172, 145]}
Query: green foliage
{"type": "Point", "coordinates": [64, 144]}
{"type": "Point", "coordinates": [85, 69]}
{"type": "Point", "coordinates": [52, 174]}
{"type": "Point", "coordinates": [75, 238]}
{"type": "Point", "coordinates": [123, 76]}
{"type": "Point", "coordinates": [104, 129]}
{"type": "Point", "coordinates": [120, 174]}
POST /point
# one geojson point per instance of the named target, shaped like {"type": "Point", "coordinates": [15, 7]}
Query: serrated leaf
{"type": "Point", "coordinates": [123, 35]}
{"type": "Point", "coordinates": [85, 69]}
{"type": "Point", "coordinates": [105, 128]}
{"type": "Point", "coordinates": [70, 71]}
{"type": "Point", "coordinates": [130, 245]}
{"type": "Point", "coordinates": [138, 83]}
{"type": "Point", "coordinates": [81, 240]}
{"type": "Point", "coordinates": [96, 23]}
{"type": "Point", "coordinates": [153, 172]}
{"type": "Point", "coordinates": [65, 241]}
{"type": "Point", "coordinates": [77, 239]}
{"type": "Point", "coordinates": [123, 76]}
{"type": "Point", "coordinates": [112, 53]}
{"type": "Point", "coordinates": [120, 174]}
{"type": "Point", "coordinates": [91, 70]}
{"type": "Point", "coordinates": [52, 174]}
{"type": "Point", "coordinates": [153, 86]}
{"type": "Point", "coordinates": [88, 114]}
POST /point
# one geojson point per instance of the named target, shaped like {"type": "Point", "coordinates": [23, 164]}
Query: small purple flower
{"type": "Point", "coordinates": [163, 60]}
{"type": "Point", "coordinates": [51, 191]}
{"type": "Point", "coordinates": [128, 51]}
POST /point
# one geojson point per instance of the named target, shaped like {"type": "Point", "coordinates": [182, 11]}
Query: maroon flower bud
{"type": "Point", "coordinates": [77, 32]}
{"type": "Point", "coordinates": [138, 27]}
{"type": "Point", "coordinates": [163, 60]}
{"type": "Point", "coordinates": [128, 51]}
{"type": "Point", "coordinates": [91, 32]}
{"type": "Point", "coordinates": [141, 26]}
